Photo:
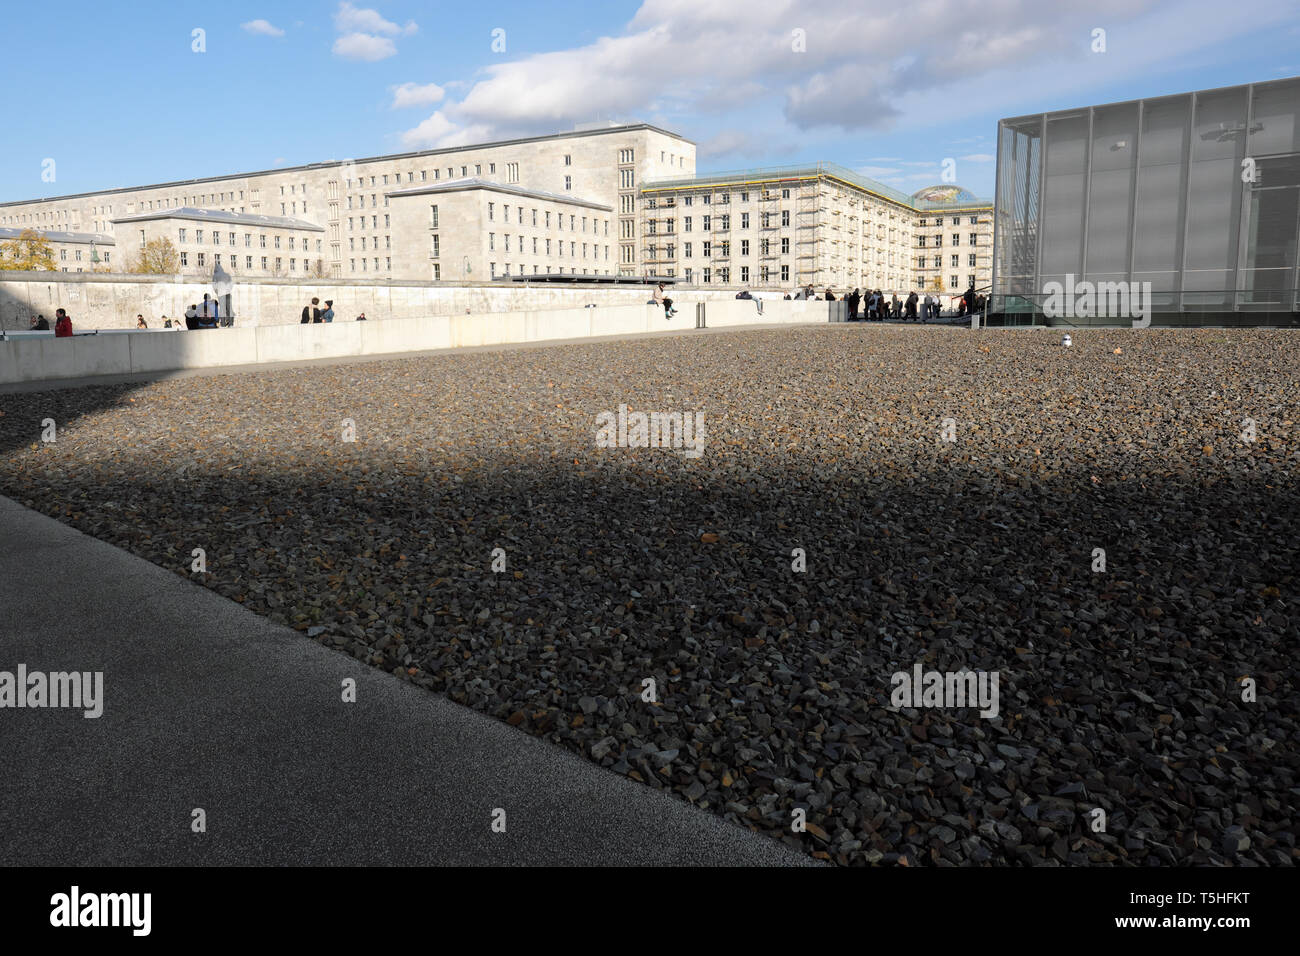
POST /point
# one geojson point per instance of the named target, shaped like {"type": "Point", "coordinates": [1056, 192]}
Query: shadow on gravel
{"type": "Point", "coordinates": [1118, 690]}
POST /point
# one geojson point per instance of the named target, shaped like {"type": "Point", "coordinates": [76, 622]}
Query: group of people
{"type": "Point", "coordinates": [205, 315]}
{"type": "Point", "coordinates": [312, 312]}
{"type": "Point", "coordinates": [874, 304]}
{"type": "Point", "coordinates": [62, 324]}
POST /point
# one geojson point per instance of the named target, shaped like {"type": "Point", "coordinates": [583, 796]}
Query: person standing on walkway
{"type": "Point", "coordinates": [62, 324]}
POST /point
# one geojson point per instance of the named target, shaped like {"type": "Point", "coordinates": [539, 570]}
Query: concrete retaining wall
{"type": "Point", "coordinates": [41, 357]}
{"type": "Point", "coordinates": [97, 301]}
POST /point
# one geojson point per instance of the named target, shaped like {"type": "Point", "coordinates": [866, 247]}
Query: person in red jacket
{"type": "Point", "coordinates": [62, 324]}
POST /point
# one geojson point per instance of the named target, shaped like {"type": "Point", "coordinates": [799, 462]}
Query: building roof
{"type": "Point", "coordinates": [779, 174]}
{"type": "Point", "coordinates": [54, 235]}
{"type": "Point", "coordinates": [477, 182]}
{"type": "Point", "coordinates": [602, 130]}
{"type": "Point", "coordinates": [223, 217]}
{"type": "Point", "coordinates": [1218, 90]}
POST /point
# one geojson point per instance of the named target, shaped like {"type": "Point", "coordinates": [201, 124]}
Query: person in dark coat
{"type": "Point", "coordinates": [854, 298]}
{"type": "Point", "coordinates": [911, 306]}
{"type": "Point", "coordinates": [310, 313]}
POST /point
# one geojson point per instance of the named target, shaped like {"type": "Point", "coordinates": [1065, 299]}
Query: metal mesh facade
{"type": "Point", "coordinates": [1198, 194]}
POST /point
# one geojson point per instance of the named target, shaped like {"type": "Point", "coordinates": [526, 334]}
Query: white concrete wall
{"type": "Point", "coordinates": [113, 302]}
{"type": "Point", "coordinates": [41, 357]}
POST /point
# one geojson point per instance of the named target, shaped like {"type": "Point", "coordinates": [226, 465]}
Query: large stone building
{"type": "Point", "coordinates": [373, 218]}
{"type": "Point", "coordinates": [608, 200]}
{"type": "Point", "coordinates": [820, 225]}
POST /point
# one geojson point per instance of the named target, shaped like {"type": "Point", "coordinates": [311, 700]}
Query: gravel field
{"type": "Point", "coordinates": [1119, 689]}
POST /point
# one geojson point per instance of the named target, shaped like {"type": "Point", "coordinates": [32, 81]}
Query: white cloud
{"type": "Point", "coordinates": [363, 46]}
{"type": "Point", "coordinates": [978, 158]}
{"type": "Point", "coordinates": [733, 142]}
{"type": "Point", "coordinates": [262, 28]}
{"type": "Point", "coordinates": [350, 19]}
{"type": "Point", "coordinates": [366, 34]}
{"type": "Point", "coordinates": [685, 62]}
{"type": "Point", "coordinates": [412, 94]}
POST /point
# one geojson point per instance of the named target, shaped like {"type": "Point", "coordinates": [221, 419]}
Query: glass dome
{"type": "Point", "coordinates": [945, 192]}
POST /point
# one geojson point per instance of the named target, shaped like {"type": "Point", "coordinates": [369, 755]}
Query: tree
{"type": "Point", "coordinates": [936, 284]}
{"type": "Point", "coordinates": [30, 252]}
{"type": "Point", "coordinates": [156, 257]}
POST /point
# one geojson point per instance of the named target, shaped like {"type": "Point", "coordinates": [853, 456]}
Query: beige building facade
{"type": "Point", "coordinates": [473, 228]}
{"type": "Point", "coordinates": [73, 251]}
{"type": "Point", "coordinates": [351, 200]}
{"type": "Point", "coordinates": [242, 244]}
{"type": "Point", "coordinates": [785, 228]}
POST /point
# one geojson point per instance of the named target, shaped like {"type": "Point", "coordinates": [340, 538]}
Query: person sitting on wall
{"type": "Point", "coordinates": [310, 313]}
{"type": "Point", "coordinates": [40, 323]}
{"type": "Point", "coordinates": [361, 317]}
{"type": "Point", "coordinates": [62, 324]}
{"type": "Point", "coordinates": [192, 317]}
{"type": "Point", "coordinates": [328, 314]}
{"type": "Point", "coordinates": [140, 323]}
{"type": "Point", "coordinates": [667, 303]}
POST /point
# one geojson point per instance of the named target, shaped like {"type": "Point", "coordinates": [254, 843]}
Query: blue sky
{"type": "Point", "coordinates": [118, 96]}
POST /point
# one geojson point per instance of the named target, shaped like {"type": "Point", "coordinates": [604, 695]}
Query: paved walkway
{"type": "Point", "coordinates": [208, 705]}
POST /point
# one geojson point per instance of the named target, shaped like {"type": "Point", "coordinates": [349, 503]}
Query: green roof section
{"type": "Point", "coordinates": [761, 175]}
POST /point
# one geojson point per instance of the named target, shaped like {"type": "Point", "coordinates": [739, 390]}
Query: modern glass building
{"type": "Point", "coordinates": [1198, 194]}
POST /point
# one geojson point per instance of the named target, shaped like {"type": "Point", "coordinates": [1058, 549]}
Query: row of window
{"type": "Point", "coordinates": [956, 221]}
{"type": "Point", "coordinates": [956, 240]}
{"type": "Point", "coordinates": [721, 250]}
{"type": "Point", "coordinates": [537, 270]}
{"type": "Point", "coordinates": [938, 261]}
{"type": "Point", "coordinates": [232, 262]}
{"type": "Point", "coordinates": [533, 218]}
{"type": "Point", "coordinates": [365, 264]}
{"type": "Point", "coordinates": [723, 198]}
{"type": "Point", "coordinates": [183, 236]}
{"type": "Point", "coordinates": [537, 248]}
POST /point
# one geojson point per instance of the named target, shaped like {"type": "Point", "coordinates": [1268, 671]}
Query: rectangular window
{"type": "Point", "coordinates": [785, 245]}
{"type": "Point", "coordinates": [785, 217]}
{"type": "Point", "coordinates": [434, 247]}
{"type": "Point", "coordinates": [785, 273]}
{"type": "Point", "coordinates": [568, 183]}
